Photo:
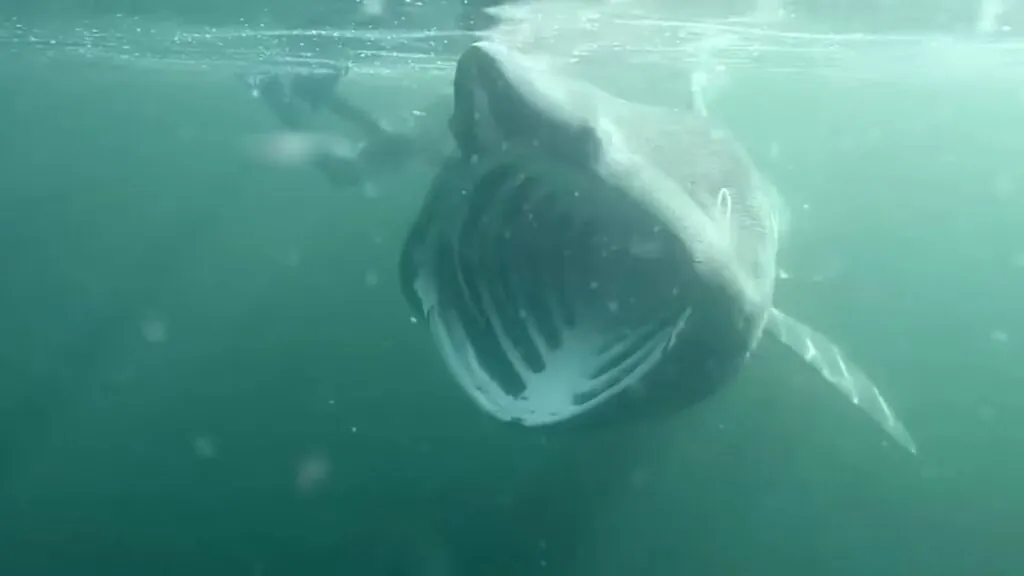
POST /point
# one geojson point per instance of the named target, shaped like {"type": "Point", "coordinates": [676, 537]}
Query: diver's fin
{"type": "Point", "coordinates": [318, 87]}
{"type": "Point", "coordinates": [821, 353]}
{"type": "Point", "coordinates": [273, 91]}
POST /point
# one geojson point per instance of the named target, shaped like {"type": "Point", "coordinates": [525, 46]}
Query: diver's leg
{"type": "Point", "coordinates": [292, 110]}
{"type": "Point", "coordinates": [317, 88]}
{"type": "Point", "coordinates": [320, 90]}
{"type": "Point", "coordinates": [341, 171]}
{"type": "Point", "coordinates": [294, 96]}
{"type": "Point", "coordinates": [272, 90]}
{"type": "Point", "coordinates": [294, 102]}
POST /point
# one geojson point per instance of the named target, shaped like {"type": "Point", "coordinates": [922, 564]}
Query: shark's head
{"type": "Point", "coordinates": [558, 270]}
{"type": "Point", "coordinates": [512, 109]}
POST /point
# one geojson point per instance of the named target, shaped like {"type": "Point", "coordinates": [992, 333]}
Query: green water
{"type": "Point", "coordinates": [206, 366]}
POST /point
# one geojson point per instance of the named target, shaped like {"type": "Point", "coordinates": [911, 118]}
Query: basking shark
{"type": "Point", "coordinates": [580, 257]}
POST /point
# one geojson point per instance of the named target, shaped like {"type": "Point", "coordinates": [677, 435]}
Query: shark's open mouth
{"type": "Point", "coordinates": [545, 300]}
{"type": "Point", "coordinates": [548, 288]}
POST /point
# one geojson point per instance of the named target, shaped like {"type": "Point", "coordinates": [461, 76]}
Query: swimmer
{"type": "Point", "coordinates": [297, 99]}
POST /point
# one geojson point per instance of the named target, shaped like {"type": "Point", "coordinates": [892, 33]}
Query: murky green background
{"type": "Point", "coordinates": [206, 366]}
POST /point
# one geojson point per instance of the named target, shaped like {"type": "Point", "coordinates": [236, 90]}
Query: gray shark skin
{"type": "Point", "coordinates": [581, 258]}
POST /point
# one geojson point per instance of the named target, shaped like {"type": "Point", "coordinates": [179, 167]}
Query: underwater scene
{"type": "Point", "coordinates": [511, 288]}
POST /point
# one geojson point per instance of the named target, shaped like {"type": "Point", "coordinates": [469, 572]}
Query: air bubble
{"type": "Point", "coordinates": [371, 279]}
{"type": "Point", "coordinates": [154, 331]}
{"type": "Point", "coordinates": [204, 447]}
{"type": "Point", "coordinates": [312, 473]}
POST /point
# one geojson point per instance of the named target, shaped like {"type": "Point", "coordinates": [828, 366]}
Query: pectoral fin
{"type": "Point", "coordinates": [848, 378]}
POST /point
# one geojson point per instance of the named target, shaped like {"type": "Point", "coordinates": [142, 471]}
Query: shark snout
{"type": "Point", "coordinates": [507, 100]}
